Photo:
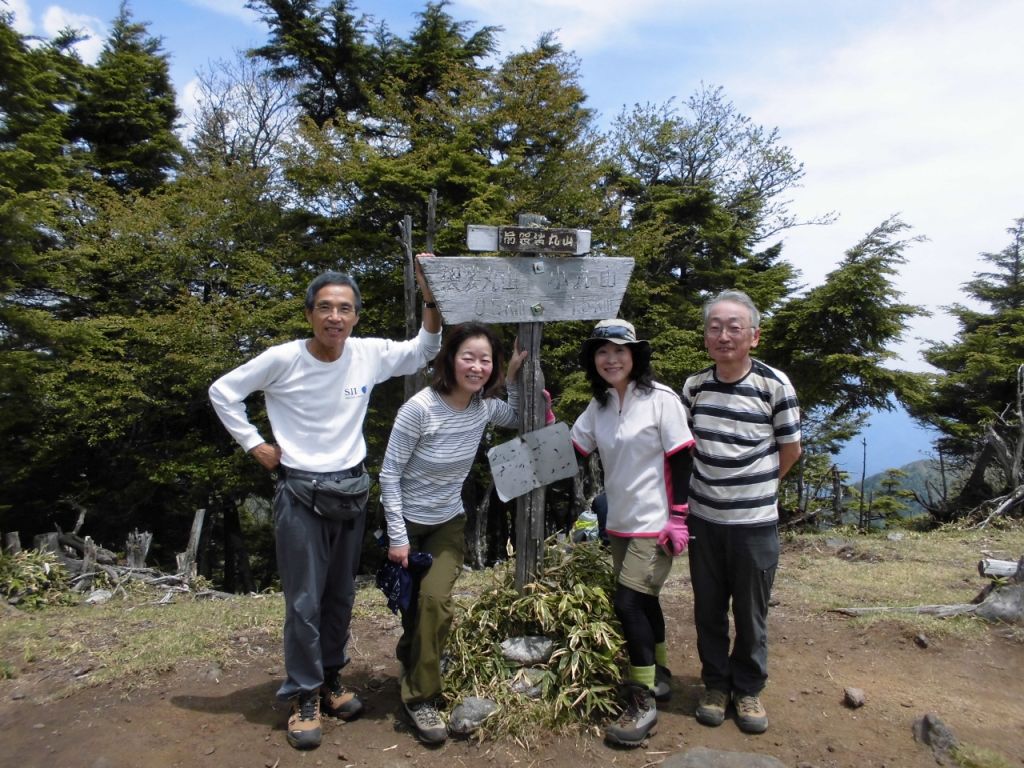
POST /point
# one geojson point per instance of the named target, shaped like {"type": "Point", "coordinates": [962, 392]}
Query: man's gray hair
{"type": "Point", "coordinates": [740, 298]}
{"type": "Point", "coordinates": [333, 278]}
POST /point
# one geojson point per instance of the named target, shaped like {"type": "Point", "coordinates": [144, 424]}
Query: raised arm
{"type": "Point", "coordinates": [431, 315]}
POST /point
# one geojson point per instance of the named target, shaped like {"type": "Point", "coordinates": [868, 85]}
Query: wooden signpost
{"type": "Point", "coordinates": [543, 282]}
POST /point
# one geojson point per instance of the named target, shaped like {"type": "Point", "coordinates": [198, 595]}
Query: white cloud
{"type": "Point", "coordinates": [22, 16]}
{"type": "Point", "coordinates": [232, 8]}
{"type": "Point", "coordinates": [920, 117]}
{"type": "Point", "coordinates": [56, 18]}
{"type": "Point", "coordinates": [582, 26]}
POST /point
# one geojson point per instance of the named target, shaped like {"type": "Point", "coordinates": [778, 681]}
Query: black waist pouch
{"type": "Point", "coordinates": [332, 497]}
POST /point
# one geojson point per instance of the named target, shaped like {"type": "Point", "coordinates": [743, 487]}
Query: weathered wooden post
{"type": "Point", "coordinates": [528, 289]}
{"type": "Point", "coordinates": [12, 543]}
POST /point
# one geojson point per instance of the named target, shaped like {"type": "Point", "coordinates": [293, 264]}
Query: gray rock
{"type": "Point", "coordinates": [529, 650]}
{"type": "Point", "coordinates": [470, 715]}
{"type": "Point", "coordinates": [853, 697]}
{"type": "Point", "coordinates": [1003, 604]}
{"type": "Point", "coordinates": [930, 730]}
{"type": "Point", "coordinates": [98, 596]}
{"type": "Point", "coordinates": [701, 757]}
{"type": "Point", "coordinates": [528, 682]}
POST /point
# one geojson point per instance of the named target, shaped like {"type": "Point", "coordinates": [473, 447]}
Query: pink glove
{"type": "Point", "coordinates": [549, 416]}
{"type": "Point", "coordinates": [675, 535]}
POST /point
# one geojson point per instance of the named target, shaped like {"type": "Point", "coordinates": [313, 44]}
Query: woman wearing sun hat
{"type": "Point", "coordinates": [639, 430]}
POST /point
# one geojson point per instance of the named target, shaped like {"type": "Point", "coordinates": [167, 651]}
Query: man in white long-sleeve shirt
{"type": "Point", "coordinates": [317, 391]}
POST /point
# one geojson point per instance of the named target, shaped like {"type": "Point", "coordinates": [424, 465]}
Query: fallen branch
{"type": "Point", "coordinates": [1005, 504]}
{"type": "Point", "coordinates": [932, 610]}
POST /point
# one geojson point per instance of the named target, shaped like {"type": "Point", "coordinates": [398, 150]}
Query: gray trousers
{"type": "Point", "coordinates": [734, 563]}
{"type": "Point", "coordinates": [317, 560]}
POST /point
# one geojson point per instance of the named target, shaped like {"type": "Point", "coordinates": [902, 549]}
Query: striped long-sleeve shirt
{"type": "Point", "coordinates": [430, 452]}
{"type": "Point", "coordinates": [738, 427]}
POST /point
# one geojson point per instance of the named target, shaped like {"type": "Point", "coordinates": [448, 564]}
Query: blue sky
{"type": "Point", "coordinates": [909, 107]}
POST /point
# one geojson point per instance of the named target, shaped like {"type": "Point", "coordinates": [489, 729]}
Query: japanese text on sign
{"type": "Point", "coordinates": [532, 239]}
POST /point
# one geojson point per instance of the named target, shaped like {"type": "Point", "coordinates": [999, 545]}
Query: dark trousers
{"type": "Point", "coordinates": [737, 564]}
{"type": "Point", "coordinates": [316, 560]}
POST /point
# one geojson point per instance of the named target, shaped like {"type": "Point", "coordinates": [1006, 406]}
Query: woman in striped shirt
{"type": "Point", "coordinates": [431, 450]}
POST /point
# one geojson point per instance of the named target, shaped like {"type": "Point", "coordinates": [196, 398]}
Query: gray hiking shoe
{"type": "Point", "coordinates": [637, 719]}
{"type": "Point", "coordinates": [711, 707]}
{"type": "Point", "coordinates": [427, 721]}
{"type": "Point", "coordinates": [751, 716]}
{"type": "Point", "coordinates": [304, 723]}
{"type": "Point", "coordinates": [662, 683]}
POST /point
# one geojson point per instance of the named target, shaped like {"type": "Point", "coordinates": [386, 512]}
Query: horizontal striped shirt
{"type": "Point", "coordinates": [738, 427]}
{"type": "Point", "coordinates": [430, 452]}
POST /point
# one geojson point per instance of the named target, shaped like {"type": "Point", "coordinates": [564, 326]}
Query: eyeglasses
{"type": "Point", "coordinates": [613, 332]}
{"type": "Point", "coordinates": [734, 331]}
{"type": "Point", "coordinates": [327, 310]}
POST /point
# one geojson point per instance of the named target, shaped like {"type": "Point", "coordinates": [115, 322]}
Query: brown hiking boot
{"type": "Point", "coordinates": [336, 701]}
{"type": "Point", "coordinates": [637, 719]}
{"type": "Point", "coordinates": [304, 724]}
{"type": "Point", "coordinates": [750, 714]}
{"type": "Point", "coordinates": [711, 707]}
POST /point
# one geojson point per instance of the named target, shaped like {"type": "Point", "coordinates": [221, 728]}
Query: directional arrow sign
{"type": "Point", "coordinates": [525, 289]}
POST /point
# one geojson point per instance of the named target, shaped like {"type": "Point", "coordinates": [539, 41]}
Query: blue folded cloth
{"type": "Point", "coordinates": [401, 585]}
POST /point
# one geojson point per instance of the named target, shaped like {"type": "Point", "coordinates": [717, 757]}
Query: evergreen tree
{"type": "Point", "coordinates": [971, 403]}
{"type": "Point", "coordinates": [126, 116]}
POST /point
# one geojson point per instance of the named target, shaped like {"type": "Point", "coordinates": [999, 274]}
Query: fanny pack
{"type": "Point", "coordinates": [328, 495]}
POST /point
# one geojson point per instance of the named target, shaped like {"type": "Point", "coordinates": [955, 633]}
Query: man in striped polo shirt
{"type": "Point", "coordinates": [745, 419]}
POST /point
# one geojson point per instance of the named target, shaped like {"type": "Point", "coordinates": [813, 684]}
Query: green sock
{"type": "Point", "coordinates": [661, 654]}
{"type": "Point", "coordinates": [642, 675]}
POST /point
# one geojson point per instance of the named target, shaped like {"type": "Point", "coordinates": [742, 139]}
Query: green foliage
{"type": "Point", "coordinates": [570, 603]}
{"type": "Point", "coordinates": [126, 113]}
{"type": "Point", "coordinates": [979, 368]}
{"type": "Point", "coordinates": [33, 579]}
{"type": "Point", "coordinates": [969, 756]}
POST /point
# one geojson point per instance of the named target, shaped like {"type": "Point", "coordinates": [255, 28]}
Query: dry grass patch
{"type": "Point", "coordinates": [845, 569]}
{"type": "Point", "coordinates": [135, 642]}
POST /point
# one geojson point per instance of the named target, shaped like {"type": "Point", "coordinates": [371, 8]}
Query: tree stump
{"type": "Point", "coordinates": [137, 547]}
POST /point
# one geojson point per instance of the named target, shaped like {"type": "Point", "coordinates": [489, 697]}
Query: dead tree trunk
{"type": "Point", "coordinates": [187, 559]}
{"type": "Point", "coordinates": [88, 571]}
{"type": "Point", "coordinates": [1001, 568]}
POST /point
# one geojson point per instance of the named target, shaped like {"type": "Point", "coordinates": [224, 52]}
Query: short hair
{"type": "Point", "coordinates": [332, 278]}
{"type": "Point", "coordinates": [444, 363]}
{"type": "Point", "coordinates": [642, 372]}
{"type": "Point", "coordinates": [738, 297]}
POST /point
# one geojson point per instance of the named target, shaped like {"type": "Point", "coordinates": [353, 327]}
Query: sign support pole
{"type": "Point", "coordinates": [530, 506]}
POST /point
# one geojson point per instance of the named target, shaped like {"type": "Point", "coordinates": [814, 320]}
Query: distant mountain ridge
{"type": "Point", "coordinates": [924, 478]}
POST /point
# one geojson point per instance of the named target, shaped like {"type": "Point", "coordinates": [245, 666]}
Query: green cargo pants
{"type": "Point", "coordinates": [426, 630]}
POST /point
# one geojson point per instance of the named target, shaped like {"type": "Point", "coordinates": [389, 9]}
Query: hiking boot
{"type": "Point", "coordinates": [750, 714]}
{"type": "Point", "coordinates": [338, 702]}
{"type": "Point", "coordinates": [304, 723]}
{"type": "Point", "coordinates": [711, 707]}
{"type": "Point", "coordinates": [428, 722]}
{"type": "Point", "coordinates": [662, 683]}
{"type": "Point", "coordinates": [636, 720]}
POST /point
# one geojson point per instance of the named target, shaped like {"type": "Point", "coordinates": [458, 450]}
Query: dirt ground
{"type": "Point", "coordinates": [229, 718]}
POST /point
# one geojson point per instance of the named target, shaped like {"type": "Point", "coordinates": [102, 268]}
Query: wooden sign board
{"type": "Point", "coordinates": [524, 289]}
{"type": "Point", "coordinates": [574, 242]}
{"type": "Point", "coordinates": [535, 460]}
